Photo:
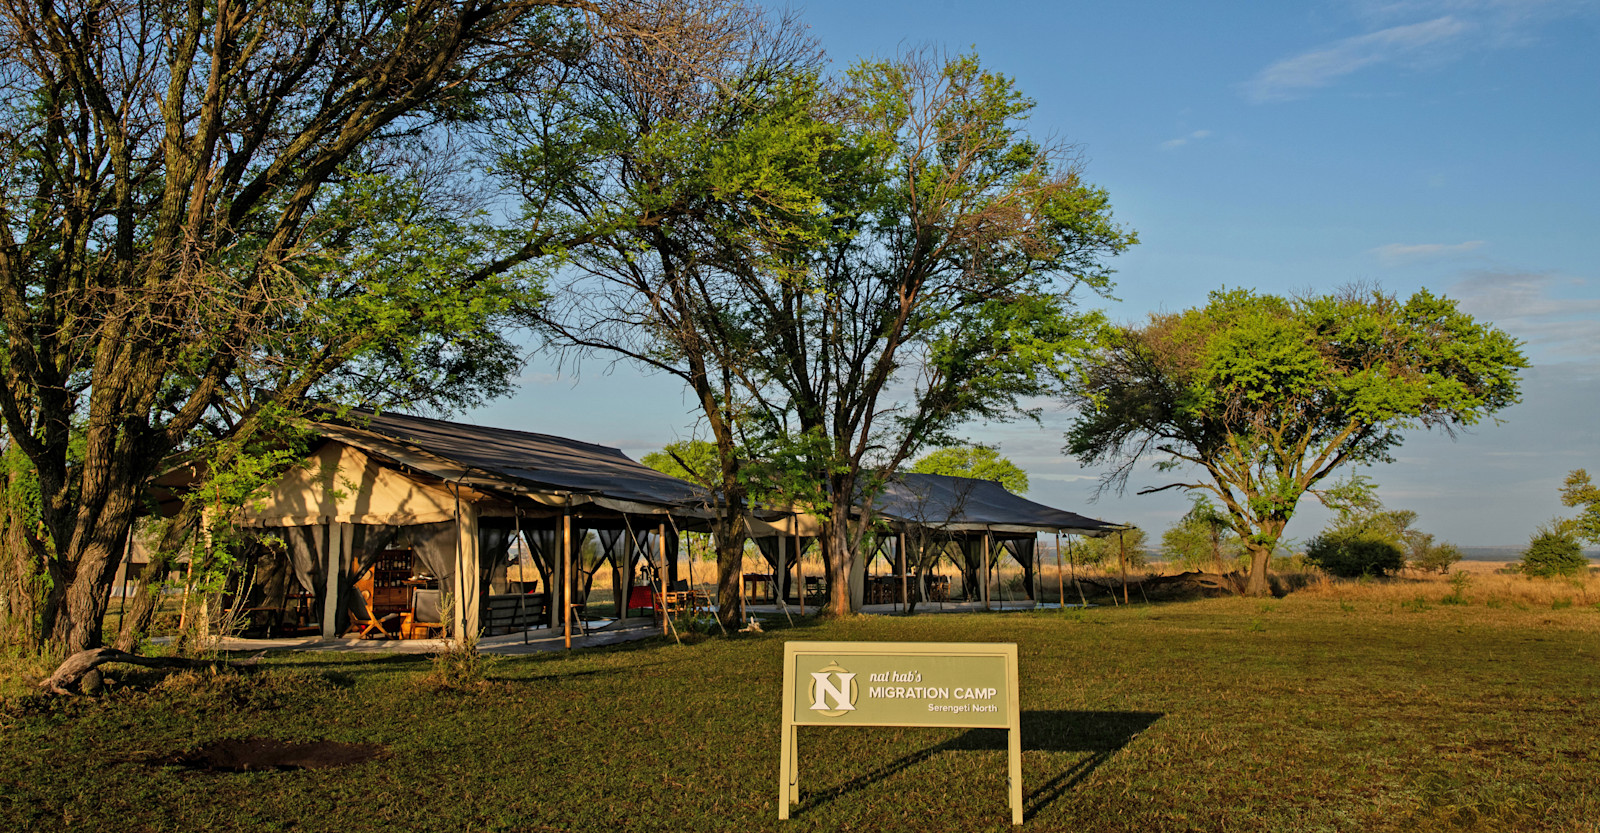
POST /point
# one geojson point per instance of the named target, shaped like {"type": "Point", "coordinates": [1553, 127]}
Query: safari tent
{"type": "Point", "coordinates": [390, 510]}
{"type": "Point", "coordinates": [923, 517]}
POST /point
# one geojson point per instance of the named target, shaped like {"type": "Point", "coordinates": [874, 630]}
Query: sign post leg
{"type": "Point", "coordinates": [786, 773]}
{"type": "Point", "coordinates": [794, 765]}
{"type": "Point", "coordinates": [1014, 765]}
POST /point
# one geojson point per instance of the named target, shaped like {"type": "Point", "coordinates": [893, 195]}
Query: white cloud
{"type": "Point", "coordinates": [1527, 306]}
{"type": "Point", "coordinates": [1413, 33]}
{"type": "Point", "coordinates": [1292, 77]}
{"type": "Point", "coordinates": [1184, 140]}
{"type": "Point", "coordinates": [1394, 254]}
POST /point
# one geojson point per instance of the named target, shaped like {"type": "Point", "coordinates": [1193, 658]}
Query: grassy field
{"type": "Point", "coordinates": [1326, 710]}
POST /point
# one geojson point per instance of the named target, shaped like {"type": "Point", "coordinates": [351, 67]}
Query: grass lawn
{"type": "Point", "coordinates": [1303, 713]}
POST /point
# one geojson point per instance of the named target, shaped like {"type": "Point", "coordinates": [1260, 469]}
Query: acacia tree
{"type": "Point", "coordinates": [1264, 397]}
{"type": "Point", "coordinates": [878, 262]}
{"type": "Point", "coordinates": [212, 210]}
{"type": "Point", "coordinates": [687, 167]}
{"type": "Point", "coordinates": [977, 461]}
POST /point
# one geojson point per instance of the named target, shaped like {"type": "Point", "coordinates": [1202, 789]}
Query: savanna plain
{"type": "Point", "coordinates": [1410, 704]}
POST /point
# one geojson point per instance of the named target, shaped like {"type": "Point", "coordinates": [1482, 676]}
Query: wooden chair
{"type": "Point", "coordinates": [426, 616]}
{"type": "Point", "coordinates": [367, 622]}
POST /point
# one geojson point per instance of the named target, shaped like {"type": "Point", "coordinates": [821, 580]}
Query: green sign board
{"type": "Point", "coordinates": [898, 684]}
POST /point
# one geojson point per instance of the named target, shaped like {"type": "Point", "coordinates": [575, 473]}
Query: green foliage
{"type": "Point", "coordinates": [1365, 540]}
{"type": "Point", "coordinates": [1459, 582]}
{"type": "Point", "coordinates": [1109, 551]}
{"type": "Point", "coordinates": [1553, 551]}
{"type": "Point", "coordinates": [842, 274]}
{"type": "Point", "coordinates": [976, 461]}
{"type": "Point", "coordinates": [1355, 553]}
{"type": "Point", "coordinates": [1202, 538]}
{"type": "Point", "coordinates": [1268, 396]}
{"type": "Point", "coordinates": [693, 460]}
{"type": "Point", "coordinates": [1580, 492]}
{"type": "Point", "coordinates": [1429, 557]}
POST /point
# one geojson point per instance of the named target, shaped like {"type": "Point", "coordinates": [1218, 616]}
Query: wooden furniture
{"type": "Point", "coordinates": [371, 625]}
{"type": "Point", "coordinates": [425, 617]}
{"type": "Point", "coordinates": [391, 582]}
{"type": "Point", "coordinates": [514, 612]}
{"type": "Point", "coordinates": [758, 587]}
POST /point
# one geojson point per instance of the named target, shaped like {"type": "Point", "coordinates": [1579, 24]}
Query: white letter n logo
{"type": "Point", "coordinates": [840, 693]}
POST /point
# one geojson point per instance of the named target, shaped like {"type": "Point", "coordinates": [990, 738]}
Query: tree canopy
{"type": "Point", "coordinates": [981, 462]}
{"type": "Point", "coordinates": [212, 216]}
{"type": "Point", "coordinates": [1578, 491]}
{"type": "Point", "coordinates": [691, 460]}
{"type": "Point", "coordinates": [1260, 398]}
{"type": "Point", "coordinates": [859, 266]}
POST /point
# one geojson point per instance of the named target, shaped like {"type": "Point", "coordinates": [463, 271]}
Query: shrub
{"type": "Point", "coordinates": [1430, 557]}
{"type": "Point", "coordinates": [1352, 553]}
{"type": "Point", "coordinates": [1554, 551]}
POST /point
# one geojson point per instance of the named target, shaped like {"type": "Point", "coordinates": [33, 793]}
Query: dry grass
{"type": "Point", "coordinates": [1484, 584]}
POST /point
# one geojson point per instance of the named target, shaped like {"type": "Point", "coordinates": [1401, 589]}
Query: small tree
{"type": "Point", "coordinates": [1554, 551]}
{"type": "Point", "coordinates": [977, 461]}
{"type": "Point", "coordinates": [1351, 552]}
{"type": "Point", "coordinates": [1365, 539]}
{"type": "Point", "coordinates": [1203, 536]}
{"type": "Point", "coordinates": [1423, 554]}
{"type": "Point", "coordinates": [1129, 547]}
{"type": "Point", "coordinates": [1579, 491]}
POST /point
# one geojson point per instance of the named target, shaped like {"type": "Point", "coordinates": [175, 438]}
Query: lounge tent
{"type": "Point", "coordinates": [455, 497]}
{"type": "Point", "coordinates": [981, 517]}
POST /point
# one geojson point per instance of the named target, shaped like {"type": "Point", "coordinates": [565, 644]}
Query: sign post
{"type": "Point", "coordinates": [935, 684]}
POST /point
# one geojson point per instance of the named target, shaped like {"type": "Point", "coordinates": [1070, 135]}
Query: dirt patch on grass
{"type": "Point", "coordinates": [266, 754]}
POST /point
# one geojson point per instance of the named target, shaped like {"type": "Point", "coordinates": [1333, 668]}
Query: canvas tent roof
{"type": "Point", "coordinates": [968, 504]}
{"type": "Point", "coordinates": [498, 457]}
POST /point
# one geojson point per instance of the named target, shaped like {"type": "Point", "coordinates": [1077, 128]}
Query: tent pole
{"type": "Point", "coordinates": [905, 580]}
{"type": "Point", "coordinates": [1122, 559]}
{"type": "Point", "coordinates": [566, 574]}
{"type": "Point", "coordinates": [800, 571]}
{"type": "Point", "coordinates": [661, 574]}
{"type": "Point", "coordinates": [986, 576]}
{"type": "Point", "coordinates": [1061, 587]}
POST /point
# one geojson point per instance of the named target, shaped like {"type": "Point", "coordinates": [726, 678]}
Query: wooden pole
{"type": "Point", "coordinates": [986, 576]}
{"type": "Point", "coordinates": [799, 572]}
{"type": "Point", "coordinates": [661, 572]}
{"type": "Point", "coordinates": [905, 580]}
{"type": "Point", "coordinates": [566, 576]}
{"type": "Point", "coordinates": [1122, 558]}
{"type": "Point", "coordinates": [1061, 587]}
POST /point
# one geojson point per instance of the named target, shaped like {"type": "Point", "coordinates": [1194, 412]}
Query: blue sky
{"type": "Point", "coordinates": [1447, 144]}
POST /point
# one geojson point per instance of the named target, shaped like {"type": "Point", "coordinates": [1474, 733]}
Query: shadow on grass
{"type": "Point", "coordinates": [1099, 734]}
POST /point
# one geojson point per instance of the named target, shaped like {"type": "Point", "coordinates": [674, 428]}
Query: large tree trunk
{"type": "Point", "coordinates": [25, 591]}
{"type": "Point", "coordinates": [1260, 557]}
{"type": "Point", "coordinates": [730, 533]}
{"type": "Point", "coordinates": [838, 561]}
{"type": "Point", "coordinates": [141, 612]}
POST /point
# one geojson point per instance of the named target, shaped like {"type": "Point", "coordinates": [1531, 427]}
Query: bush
{"type": "Point", "coordinates": [1554, 551]}
{"type": "Point", "coordinates": [1430, 557]}
{"type": "Point", "coordinates": [1349, 554]}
